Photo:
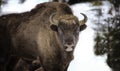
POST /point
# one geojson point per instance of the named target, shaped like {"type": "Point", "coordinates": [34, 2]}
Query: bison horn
{"type": "Point", "coordinates": [52, 20]}
{"type": "Point", "coordinates": [84, 20]}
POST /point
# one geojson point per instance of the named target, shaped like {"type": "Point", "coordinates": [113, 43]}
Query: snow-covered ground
{"type": "Point", "coordinates": [84, 57]}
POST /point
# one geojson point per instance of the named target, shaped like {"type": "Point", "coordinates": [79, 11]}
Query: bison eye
{"type": "Point", "coordinates": [54, 27]}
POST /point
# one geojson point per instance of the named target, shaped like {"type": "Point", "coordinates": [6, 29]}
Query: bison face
{"type": "Point", "coordinates": [68, 35]}
{"type": "Point", "coordinates": [68, 27]}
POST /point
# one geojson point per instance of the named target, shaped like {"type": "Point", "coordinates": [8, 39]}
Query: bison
{"type": "Point", "coordinates": [50, 31]}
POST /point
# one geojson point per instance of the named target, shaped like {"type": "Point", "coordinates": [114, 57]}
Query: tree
{"type": "Point", "coordinates": [108, 38]}
{"type": "Point", "coordinates": [2, 2]}
{"type": "Point", "coordinates": [22, 1]}
{"type": "Point", "coordinates": [0, 5]}
{"type": "Point", "coordinates": [74, 1]}
{"type": "Point", "coordinates": [113, 59]}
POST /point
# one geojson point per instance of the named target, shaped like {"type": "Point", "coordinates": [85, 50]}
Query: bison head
{"type": "Point", "coordinates": [67, 27]}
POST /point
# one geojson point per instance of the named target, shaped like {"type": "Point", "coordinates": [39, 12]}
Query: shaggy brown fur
{"type": "Point", "coordinates": [28, 35]}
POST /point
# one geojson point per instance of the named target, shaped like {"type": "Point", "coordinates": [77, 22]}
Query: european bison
{"type": "Point", "coordinates": [50, 31]}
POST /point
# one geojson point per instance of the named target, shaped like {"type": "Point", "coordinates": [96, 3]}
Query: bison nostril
{"type": "Point", "coordinates": [69, 43]}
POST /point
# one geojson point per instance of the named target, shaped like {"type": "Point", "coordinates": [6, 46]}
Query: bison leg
{"type": "Point", "coordinates": [21, 66]}
{"type": "Point", "coordinates": [12, 61]}
{"type": "Point", "coordinates": [36, 63]}
{"type": "Point", "coordinates": [40, 69]}
{"type": "Point", "coordinates": [2, 67]}
{"type": "Point", "coordinates": [24, 65]}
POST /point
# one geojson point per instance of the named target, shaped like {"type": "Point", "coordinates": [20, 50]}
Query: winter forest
{"type": "Point", "coordinates": [98, 48]}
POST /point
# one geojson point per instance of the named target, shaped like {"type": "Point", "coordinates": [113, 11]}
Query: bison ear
{"type": "Point", "coordinates": [82, 27]}
{"type": "Point", "coordinates": [54, 27]}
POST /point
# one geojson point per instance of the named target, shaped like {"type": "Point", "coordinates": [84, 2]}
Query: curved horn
{"type": "Point", "coordinates": [84, 20]}
{"type": "Point", "coordinates": [52, 20]}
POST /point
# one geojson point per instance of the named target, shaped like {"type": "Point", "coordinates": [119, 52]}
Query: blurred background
{"type": "Point", "coordinates": [98, 48]}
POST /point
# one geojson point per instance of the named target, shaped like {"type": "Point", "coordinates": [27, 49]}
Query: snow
{"type": "Point", "coordinates": [84, 57]}
{"type": "Point", "coordinates": [13, 6]}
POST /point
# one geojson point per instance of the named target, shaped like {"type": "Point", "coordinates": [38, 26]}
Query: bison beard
{"type": "Point", "coordinates": [48, 32]}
